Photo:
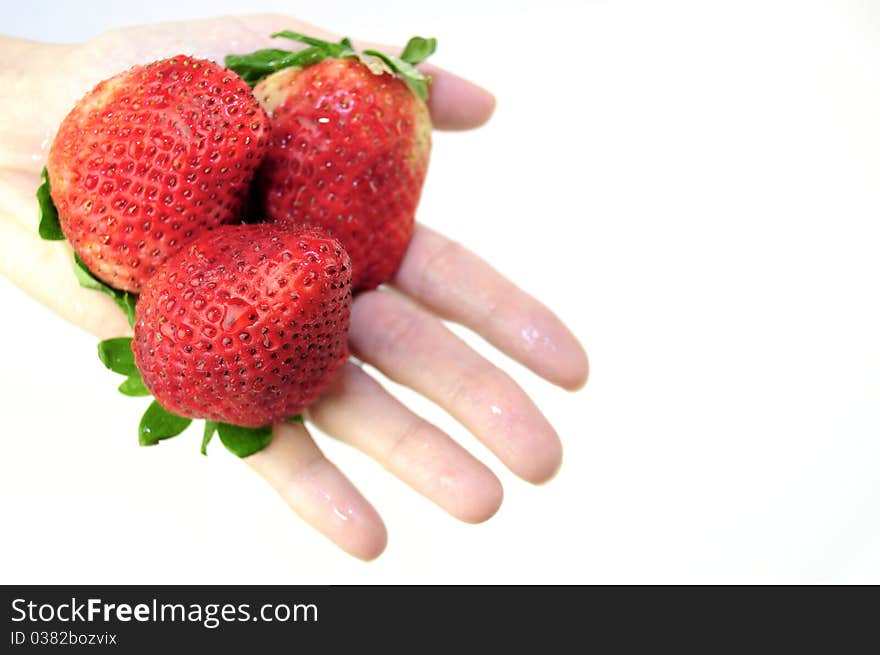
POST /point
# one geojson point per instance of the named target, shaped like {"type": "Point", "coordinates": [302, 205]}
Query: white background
{"type": "Point", "coordinates": [693, 186]}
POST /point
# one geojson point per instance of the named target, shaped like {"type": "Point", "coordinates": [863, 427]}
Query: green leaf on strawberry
{"type": "Point", "coordinates": [125, 299]}
{"type": "Point", "coordinates": [327, 48]}
{"type": "Point", "coordinates": [158, 423]}
{"type": "Point", "coordinates": [50, 227]}
{"type": "Point", "coordinates": [418, 49]}
{"type": "Point", "coordinates": [257, 65]}
{"type": "Point", "coordinates": [244, 441]}
{"type": "Point", "coordinates": [210, 429]}
{"type": "Point", "coordinates": [134, 386]}
{"type": "Point", "coordinates": [116, 354]}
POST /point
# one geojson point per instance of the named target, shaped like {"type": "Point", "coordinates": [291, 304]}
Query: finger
{"type": "Point", "coordinates": [415, 349]}
{"type": "Point", "coordinates": [319, 493]}
{"type": "Point", "coordinates": [457, 285]}
{"type": "Point", "coordinates": [358, 411]}
{"type": "Point", "coordinates": [455, 103]}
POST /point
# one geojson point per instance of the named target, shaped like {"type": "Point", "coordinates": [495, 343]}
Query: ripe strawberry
{"type": "Point", "coordinates": [246, 325]}
{"type": "Point", "coordinates": [150, 158]}
{"type": "Point", "coordinates": [349, 146]}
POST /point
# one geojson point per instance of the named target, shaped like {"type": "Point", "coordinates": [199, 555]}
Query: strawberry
{"type": "Point", "coordinates": [245, 325]}
{"type": "Point", "coordinates": [151, 158]}
{"type": "Point", "coordinates": [349, 145]}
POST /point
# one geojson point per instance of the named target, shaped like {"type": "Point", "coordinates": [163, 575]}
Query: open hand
{"type": "Point", "coordinates": [398, 329]}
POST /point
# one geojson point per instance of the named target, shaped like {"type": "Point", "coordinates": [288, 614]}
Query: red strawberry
{"type": "Point", "coordinates": [246, 325]}
{"type": "Point", "coordinates": [349, 146]}
{"type": "Point", "coordinates": [150, 158]}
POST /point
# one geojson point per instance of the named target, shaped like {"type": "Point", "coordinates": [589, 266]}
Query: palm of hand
{"type": "Point", "coordinates": [401, 334]}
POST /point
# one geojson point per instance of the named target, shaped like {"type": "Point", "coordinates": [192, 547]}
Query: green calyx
{"type": "Point", "coordinates": [158, 423]}
{"type": "Point", "coordinates": [255, 66]}
{"type": "Point", "coordinates": [244, 441]}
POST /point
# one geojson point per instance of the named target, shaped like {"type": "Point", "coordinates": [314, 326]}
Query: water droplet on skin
{"type": "Point", "coordinates": [533, 337]}
{"type": "Point", "coordinates": [44, 145]}
{"type": "Point", "coordinates": [343, 514]}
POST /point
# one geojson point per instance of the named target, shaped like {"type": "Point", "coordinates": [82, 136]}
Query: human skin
{"type": "Point", "coordinates": [397, 330]}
